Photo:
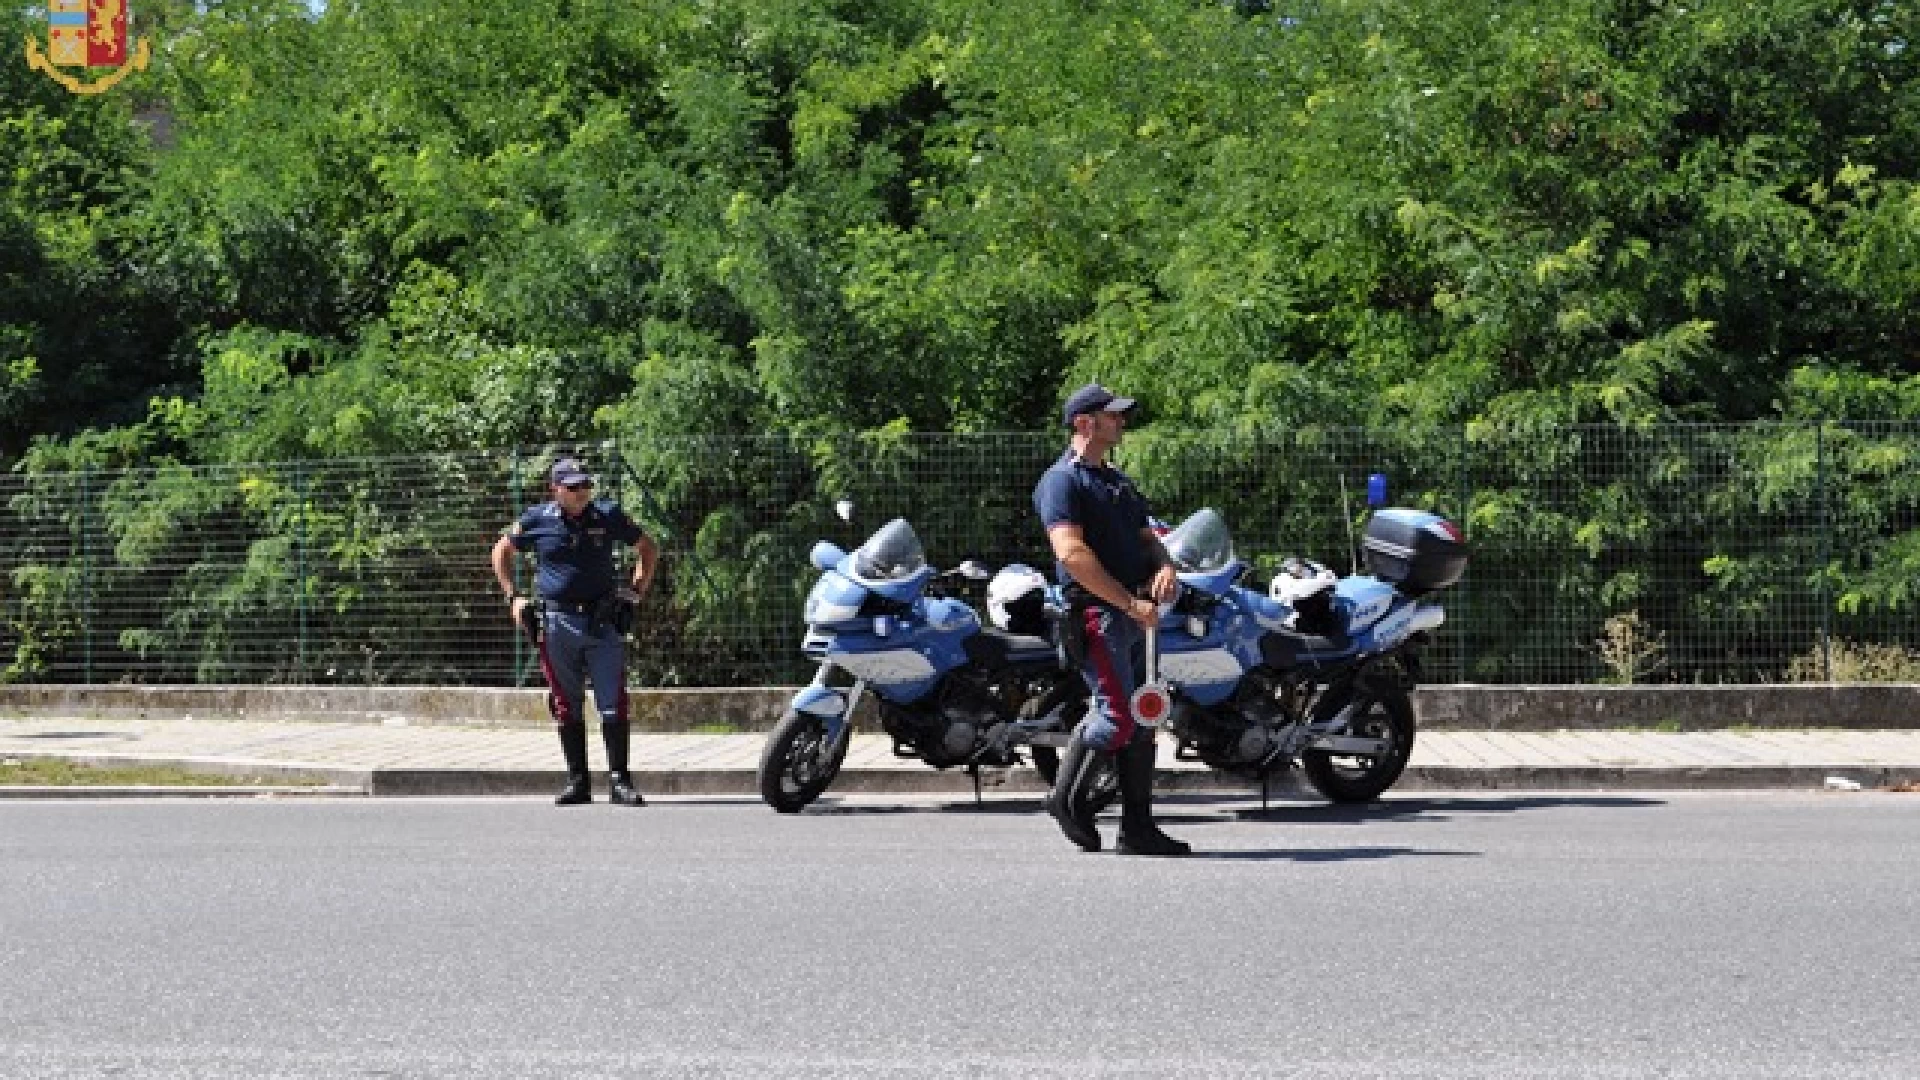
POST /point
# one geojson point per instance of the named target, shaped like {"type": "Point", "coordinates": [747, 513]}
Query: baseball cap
{"type": "Point", "coordinates": [1093, 398]}
{"type": "Point", "coordinates": [568, 470]}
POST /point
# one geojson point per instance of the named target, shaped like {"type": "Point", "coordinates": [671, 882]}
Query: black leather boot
{"type": "Point", "coordinates": [1138, 834]}
{"type": "Point", "coordinates": [573, 744]}
{"type": "Point", "coordinates": [1070, 801]}
{"type": "Point", "coordinates": [620, 789]}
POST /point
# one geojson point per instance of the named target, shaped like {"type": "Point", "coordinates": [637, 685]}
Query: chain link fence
{"type": "Point", "coordinates": [1747, 553]}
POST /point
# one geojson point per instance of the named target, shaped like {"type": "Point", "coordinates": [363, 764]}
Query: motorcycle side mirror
{"type": "Point", "coordinates": [844, 509]}
{"type": "Point", "coordinates": [974, 570]}
{"type": "Point", "coordinates": [825, 555]}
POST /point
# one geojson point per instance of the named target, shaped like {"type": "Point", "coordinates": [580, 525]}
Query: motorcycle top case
{"type": "Point", "coordinates": [1416, 551]}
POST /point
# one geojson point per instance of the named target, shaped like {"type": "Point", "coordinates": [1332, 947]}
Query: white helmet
{"type": "Point", "coordinates": [1017, 599]}
{"type": "Point", "coordinates": [1300, 579]}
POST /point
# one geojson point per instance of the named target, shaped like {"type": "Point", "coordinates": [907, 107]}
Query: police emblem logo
{"type": "Point", "coordinates": [89, 36]}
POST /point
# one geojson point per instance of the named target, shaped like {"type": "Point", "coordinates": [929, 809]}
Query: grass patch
{"type": "Point", "coordinates": [56, 772]}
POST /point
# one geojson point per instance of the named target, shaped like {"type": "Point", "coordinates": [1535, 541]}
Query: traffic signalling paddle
{"type": "Point", "coordinates": [1153, 701]}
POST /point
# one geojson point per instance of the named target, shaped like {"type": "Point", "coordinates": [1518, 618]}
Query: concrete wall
{"type": "Point", "coordinates": [1463, 707]}
{"type": "Point", "coordinates": [664, 710]}
{"type": "Point", "coordinates": [1467, 707]}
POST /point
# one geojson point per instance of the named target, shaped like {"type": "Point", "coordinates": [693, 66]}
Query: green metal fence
{"type": "Point", "coordinates": [1681, 553]}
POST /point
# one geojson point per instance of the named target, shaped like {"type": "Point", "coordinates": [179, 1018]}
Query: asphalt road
{"type": "Point", "coordinates": [1687, 935]}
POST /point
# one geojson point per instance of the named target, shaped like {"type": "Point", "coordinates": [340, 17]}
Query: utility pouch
{"type": "Point", "coordinates": [625, 605]}
{"type": "Point", "coordinates": [532, 615]}
{"type": "Point", "coordinates": [615, 609]}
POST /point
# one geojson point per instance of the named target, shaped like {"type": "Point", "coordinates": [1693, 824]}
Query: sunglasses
{"type": "Point", "coordinates": [582, 486]}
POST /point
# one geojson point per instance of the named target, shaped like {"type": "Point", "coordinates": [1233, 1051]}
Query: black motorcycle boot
{"type": "Point", "coordinates": [1070, 802]}
{"type": "Point", "coordinates": [573, 744]}
{"type": "Point", "coordinates": [620, 789]}
{"type": "Point", "coordinates": [1138, 833]}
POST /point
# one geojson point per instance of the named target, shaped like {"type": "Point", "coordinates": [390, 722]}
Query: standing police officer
{"type": "Point", "coordinates": [572, 536]}
{"type": "Point", "coordinates": [1116, 575]}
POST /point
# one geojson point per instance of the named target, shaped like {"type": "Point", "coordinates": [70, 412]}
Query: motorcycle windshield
{"type": "Point", "coordinates": [1201, 545]}
{"type": "Point", "coordinates": [891, 554]}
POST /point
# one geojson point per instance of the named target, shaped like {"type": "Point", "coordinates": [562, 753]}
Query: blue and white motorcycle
{"type": "Point", "coordinates": [949, 691]}
{"type": "Point", "coordinates": [1315, 672]}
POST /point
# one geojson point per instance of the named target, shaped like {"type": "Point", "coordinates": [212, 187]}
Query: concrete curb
{"type": "Point", "coordinates": [1716, 778]}
{"type": "Point", "coordinates": [742, 782]}
{"type": "Point", "coordinates": [454, 783]}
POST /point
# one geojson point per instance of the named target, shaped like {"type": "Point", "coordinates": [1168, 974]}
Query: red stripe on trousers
{"type": "Point", "coordinates": [555, 702]}
{"type": "Point", "coordinates": [1109, 680]}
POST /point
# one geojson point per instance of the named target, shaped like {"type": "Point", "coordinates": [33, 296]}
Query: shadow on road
{"type": "Point", "coordinates": [1201, 809]}
{"type": "Point", "coordinates": [1007, 807]}
{"type": "Point", "coordinates": [1216, 810]}
{"type": "Point", "coordinates": [1330, 855]}
{"type": "Point", "coordinates": [1397, 809]}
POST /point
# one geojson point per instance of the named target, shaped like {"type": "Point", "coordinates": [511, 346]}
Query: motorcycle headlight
{"type": "Point", "coordinates": [832, 599]}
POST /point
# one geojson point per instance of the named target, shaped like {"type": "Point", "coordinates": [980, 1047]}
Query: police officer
{"type": "Point", "coordinates": [572, 536]}
{"type": "Point", "coordinates": [1115, 574]}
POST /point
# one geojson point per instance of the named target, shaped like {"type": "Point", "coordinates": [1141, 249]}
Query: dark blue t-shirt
{"type": "Point", "coordinates": [1109, 510]}
{"type": "Point", "coordinates": [575, 554]}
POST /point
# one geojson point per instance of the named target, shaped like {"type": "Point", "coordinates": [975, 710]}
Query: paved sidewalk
{"type": "Point", "coordinates": [398, 760]}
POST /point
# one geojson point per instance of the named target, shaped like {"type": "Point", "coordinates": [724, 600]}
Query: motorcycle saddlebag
{"type": "Point", "coordinates": [1415, 551]}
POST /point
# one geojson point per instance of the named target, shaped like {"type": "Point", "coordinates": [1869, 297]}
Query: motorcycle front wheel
{"type": "Point", "coordinates": [1385, 713]}
{"type": "Point", "coordinates": [797, 763]}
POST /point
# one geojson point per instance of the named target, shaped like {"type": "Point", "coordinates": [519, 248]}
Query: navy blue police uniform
{"type": "Point", "coordinates": [1111, 514]}
{"type": "Point", "coordinates": [1110, 646]}
{"type": "Point", "coordinates": [575, 555]}
{"type": "Point", "coordinates": [580, 641]}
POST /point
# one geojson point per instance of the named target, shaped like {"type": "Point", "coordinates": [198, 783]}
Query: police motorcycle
{"type": "Point", "coordinates": [1315, 672]}
{"type": "Point", "coordinates": [949, 691]}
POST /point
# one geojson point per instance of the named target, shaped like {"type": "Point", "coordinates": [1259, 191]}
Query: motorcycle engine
{"type": "Point", "coordinates": [944, 735]}
{"type": "Point", "coordinates": [1254, 744]}
{"type": "Point", "coordinates": [953, 744]}
{"type": "Point", "coordinates": [1240, 732]}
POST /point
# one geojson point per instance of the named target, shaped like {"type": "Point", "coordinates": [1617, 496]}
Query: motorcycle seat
{"type": "Point", "coordinates": [1015, 648]}
{"type": "Point", "coordinates": [1283, 648]}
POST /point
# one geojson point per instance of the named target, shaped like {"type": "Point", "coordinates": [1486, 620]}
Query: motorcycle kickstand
{"type": "Point", "coordinates": [973, 770]}
{"type": "Point", "coordinates": [1265, 777]}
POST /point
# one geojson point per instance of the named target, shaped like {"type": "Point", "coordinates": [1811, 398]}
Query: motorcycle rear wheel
{"type": "Point", "coordinates": [797, 764]}
{"type": "Point", "coordinates": [1385, 713]}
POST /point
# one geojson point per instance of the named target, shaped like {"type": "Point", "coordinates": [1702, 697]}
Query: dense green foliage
{"type": "Point", "coordinates": [394, 228]}
{"type": "Point", "coordinates": [432, 224]}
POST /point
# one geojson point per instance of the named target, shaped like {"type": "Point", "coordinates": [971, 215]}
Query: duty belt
{"type": "Point", "coordinates": [1079, 598]}
{"type": "Point", "coordinates": [571, 607]}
